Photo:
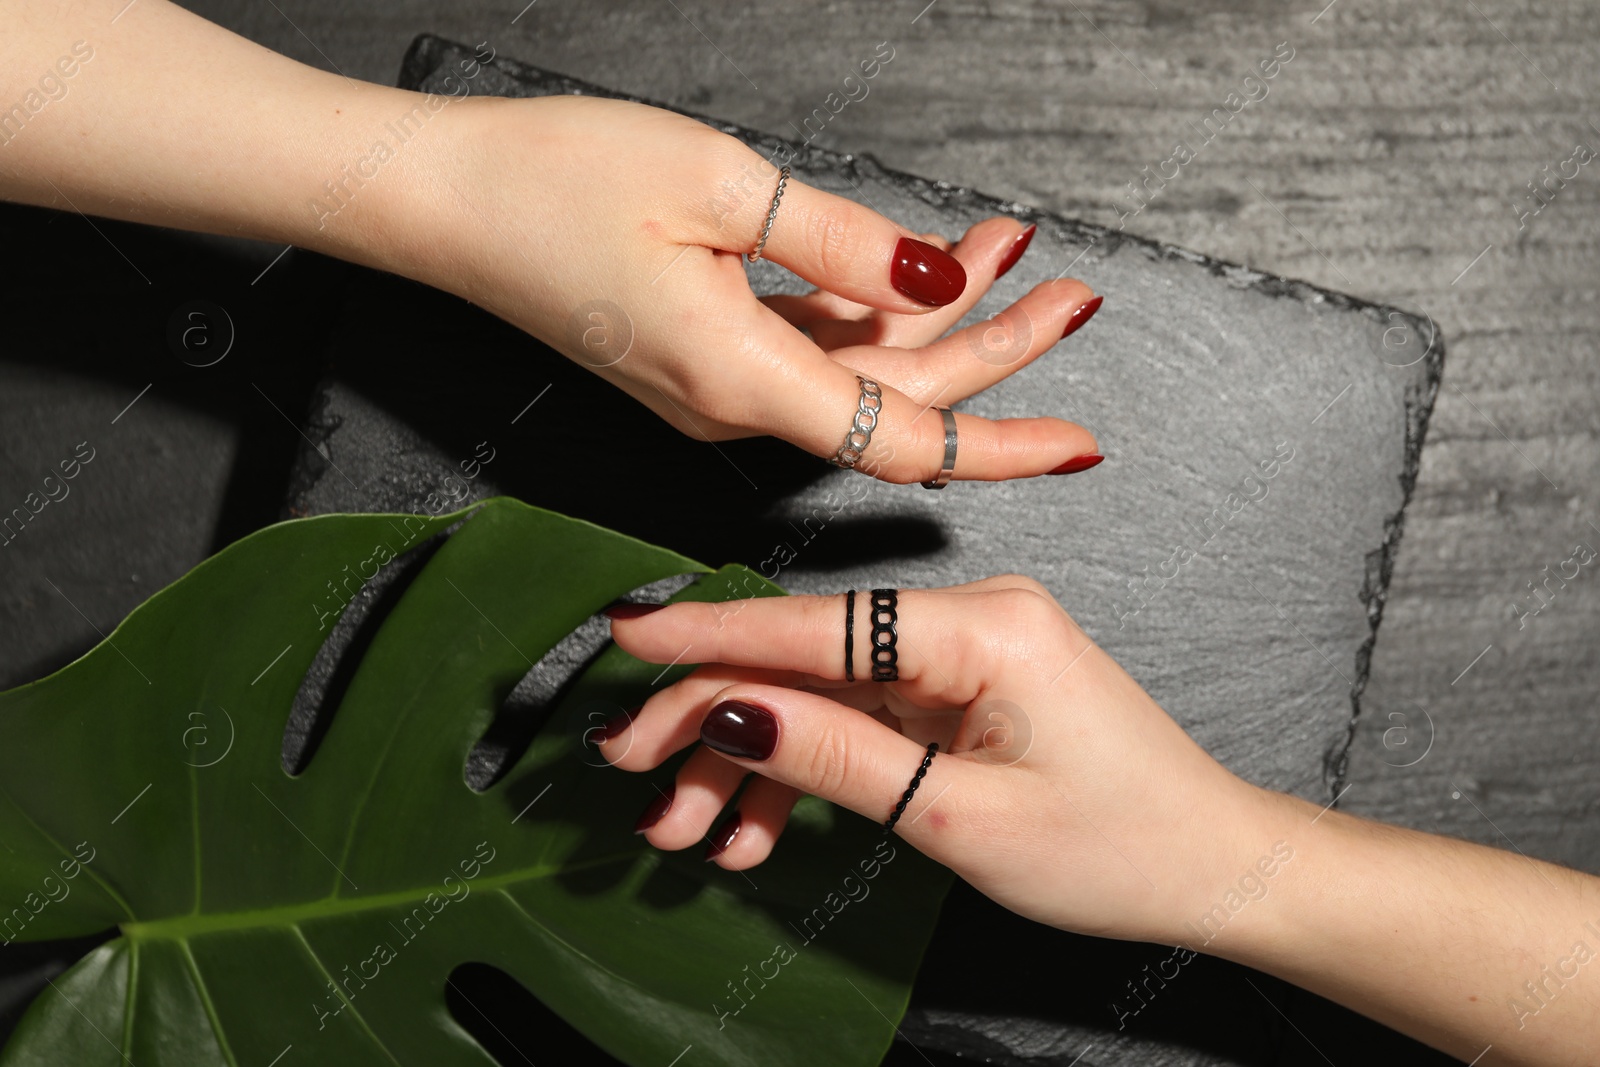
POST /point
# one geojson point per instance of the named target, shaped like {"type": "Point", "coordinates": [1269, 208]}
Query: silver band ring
{"type": "Point", "coordinates": [772, 213]}
{"type": "Point", "coordinates": [861, 426]}
{"type": "Point", "coordinates": [948, 468]}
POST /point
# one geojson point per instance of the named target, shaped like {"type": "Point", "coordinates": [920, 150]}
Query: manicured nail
{"type": "Point", "coordinates": [630, 611]}
{"type": "Point", "coordinates": [723, 837]}
{"type": "Point", "coordinates": [613, 726]}
{"type": "Point", "coordinates": [1084, 313]}
{"type": "Point", "coordinates": [740, 729]}
{"type": "Point", "coordinates": [1014, 253]}
{"type": "Point", "coordinates": [926, 274]}
{"type": "Point", "coordinates": [1078, 463]}
{"type": "Point", "coordinates": [654, 810]}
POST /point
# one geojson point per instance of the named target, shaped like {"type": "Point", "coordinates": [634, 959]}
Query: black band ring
{"type": "Point", "coordinates": [916, 780]}
{"type": "Point", "coordinates": [885, 657]}
{"type": "Point", "coordinates": [850, 636]}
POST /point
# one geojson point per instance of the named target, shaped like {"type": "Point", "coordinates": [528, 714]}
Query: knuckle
{"type": "Point", "coordinates": [830, 235]}
{"type": "Point", "coordinates": [734, 180]}
{"type": "Point", "coordinates": [827, 762]}
{"type": "Point", "coordinates": [1028, 584]}
{"type": "Point", "coordinates": [1029, 614]}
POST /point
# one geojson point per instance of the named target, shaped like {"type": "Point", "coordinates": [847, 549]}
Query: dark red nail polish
{"type": "Point", "coordinates": [723, 837]}
{"type": "Point", "coordinates": [926, 274]}
{"type": "Point", "coordinates": [1081, 316]}
{"type": "Point", "coordinates": [1078, 463]}
{"type": "Point", "coordinates": [1014, 253]}
{"type": "Point", "coordinates": [654, 810]}
{"type": "Point", "coordinates": [613, 726]}
{"type": "Point", "coordinates": [630, 611]}
{"type": "Point", "coordinates": [739, 729]}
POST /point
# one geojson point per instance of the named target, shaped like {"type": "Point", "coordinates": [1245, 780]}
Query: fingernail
{"type": "Point", "coordinates": [613, 726]}
{"type": "Point", "coordinates": [724, 837]}
{"type": "Point", "coordinates": [654, 810]}
{"type": "Point", "coordinates": [1078, 463]}
{"type": "Point", "coordinates": [739, 729]}
{"type": "Point", "coordinates": [1014, 253]}
{"type": "Point", "coordinates": [630, 611]}
{"type": "Point", "coordinates": [926, 274]}
{"type": "Point", "coordinates": [1084, 313]}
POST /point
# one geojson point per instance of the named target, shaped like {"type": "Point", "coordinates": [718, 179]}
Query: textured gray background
{"type": "Point", "coordinates": [1388, 156]}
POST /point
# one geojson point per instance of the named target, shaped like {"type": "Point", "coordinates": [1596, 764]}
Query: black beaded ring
{"type": "Point", "coordinates": [850, 636]}
{"type": "Point", "coordinates": [899, 809]}
{"type": "Point", "coordinates": [885, 657]}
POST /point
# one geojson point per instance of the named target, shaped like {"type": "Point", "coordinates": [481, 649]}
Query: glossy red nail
{"type": "Point", "coordinates": [1014, 253]}
{"type": "Point", "coordinates": [613, 726]}
{"type": "Point", "coordinates": [741, 730]}
{"type": "Point", "coordinates": [1084, 313]}
{"type": "Point", "coordinates": [1078, 463]}
{"type": "Point", "coordinates": [724, 837]}
{"type": "Point", "coordinates": [630, 611]}
{"type": "Point", "coordinates": [654, 810]}
{"type": "Point", "coordinates": [926, 274]}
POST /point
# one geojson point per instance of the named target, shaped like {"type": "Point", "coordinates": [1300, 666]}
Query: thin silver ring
{"type": "Point", "coordinates": [772, 213]}
{"type": "Point", "coordinates": [949, 466]}
{"type": "Point", "coordinates": [862, 423]}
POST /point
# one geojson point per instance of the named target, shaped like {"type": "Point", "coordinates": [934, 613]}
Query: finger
{"type": "Point", "coordinates": [980, 251]}
{"type": "Point", "coordinates": [851, 250]}
{"type": "Point", "coordinates": [669, 721]}
{"type": "Point", "coordinates": [746, 837]}
{"type": "Point", "coordinates": [702, 789]}
{"type": "Point", "coordinates": [816, 746]}
{"type": "Point", "coordinates": [950, 643]}
{"type": "Point", "coordinates": [809, 311]}
{"type": "Point", "coordinates": [812, 401]}
{"type": "Point", "coordinates": [971, 360]}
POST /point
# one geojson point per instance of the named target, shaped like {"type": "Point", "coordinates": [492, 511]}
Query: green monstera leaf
{"type": "Point", "coordinates": [268, 918]}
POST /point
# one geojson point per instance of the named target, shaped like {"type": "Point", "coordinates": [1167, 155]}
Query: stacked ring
{"type": "Point", "coordinates": [885, 657]}
{"type": "Point", "coordinates": [862, 424]}
{"type": "Point", "coordinates": [948, 467]}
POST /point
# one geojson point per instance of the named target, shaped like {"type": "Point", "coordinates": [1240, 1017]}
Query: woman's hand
{"type": "Point", "coordinates": [1060, 789]}
{"type": "Point", "coordinates": [615, 231]}
{"type": "Point", "coordinates": [1066, 794]}
{"type": "Point", "coordinates": [612, 231]}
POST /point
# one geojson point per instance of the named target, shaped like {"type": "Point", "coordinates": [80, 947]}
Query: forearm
{"type": "Point", "coordinates": [1460, 946]}
{"type": "Point", "coordinates": [148, 113]}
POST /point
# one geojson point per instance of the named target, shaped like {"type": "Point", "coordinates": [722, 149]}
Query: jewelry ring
{"type": "Point", "coordinates": [916, 780]}
{"type": "Point", "coordinates": [885, 635]}
{"type": "Point", "coordinates": [772, 213]}
{"type": "Point", "coordinates": [850, 636]}
{"type": "Point", "coordinates": [861, 426]}
{"type": "Point", "coordinates": [949, 466]}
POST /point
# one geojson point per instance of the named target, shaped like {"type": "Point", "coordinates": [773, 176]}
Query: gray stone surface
{"type": "Point", "coordinates": [1262, 437]}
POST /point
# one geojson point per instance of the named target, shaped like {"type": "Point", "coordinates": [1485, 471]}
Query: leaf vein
{"type": "Point", "coordinates": [569, 946]}
{"type": "Point", "coordinates": [205, 1002]}
{"type": "Point", "coordinates": [306, 944]}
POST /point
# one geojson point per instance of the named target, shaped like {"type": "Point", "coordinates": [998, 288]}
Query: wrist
{"type": "Point", "coordinates": [388, 194]}
{"type": "Point", "coordinates": [1240, 852]}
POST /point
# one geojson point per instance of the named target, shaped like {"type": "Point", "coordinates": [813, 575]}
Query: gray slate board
{"type": "Point", "coordinates": [1194, 375]}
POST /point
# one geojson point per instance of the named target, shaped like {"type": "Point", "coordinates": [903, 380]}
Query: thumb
{"type": "Point", "coordinates": [819, 746]}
